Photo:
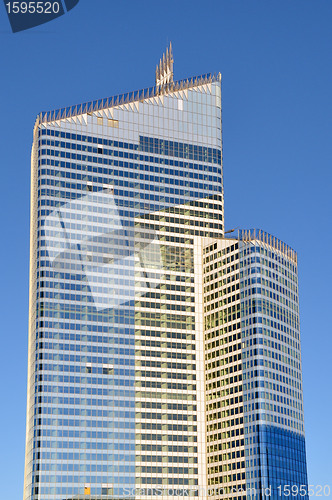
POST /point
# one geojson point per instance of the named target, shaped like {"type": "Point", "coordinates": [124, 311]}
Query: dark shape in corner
{"type": "Point", "coordinates": [23, 16]}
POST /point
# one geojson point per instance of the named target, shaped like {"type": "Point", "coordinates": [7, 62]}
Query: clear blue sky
{"type": "Point", "coordinates": [275, 57]}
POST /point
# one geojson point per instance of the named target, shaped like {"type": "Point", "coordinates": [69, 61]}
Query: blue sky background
{"type": "Point", "coordinates": [275, 57]}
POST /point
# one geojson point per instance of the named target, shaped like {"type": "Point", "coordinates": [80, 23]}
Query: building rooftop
{"type": "Point", "coordinates": [164, 85]}
{"type": "Point", "coordinates": [248, 235]}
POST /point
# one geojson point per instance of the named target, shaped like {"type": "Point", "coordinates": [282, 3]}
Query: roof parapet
{"type": "Point", "coordinates": [250, 235]}
{"type": "Point", "coordinates": [139, 95]}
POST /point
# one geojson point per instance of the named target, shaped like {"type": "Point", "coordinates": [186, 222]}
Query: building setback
{"type": "Point", "coordinates": [164, 357]}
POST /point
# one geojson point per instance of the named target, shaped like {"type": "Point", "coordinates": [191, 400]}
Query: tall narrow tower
{"type": "Point", "coordinates": [123, 190]}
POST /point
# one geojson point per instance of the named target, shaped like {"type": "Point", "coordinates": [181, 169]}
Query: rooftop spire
{"type": "Point", "coordinates": [164, 72]}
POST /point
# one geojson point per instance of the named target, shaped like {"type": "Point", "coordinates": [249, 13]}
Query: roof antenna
{"type": "Point", "coordinates": [164, 72]}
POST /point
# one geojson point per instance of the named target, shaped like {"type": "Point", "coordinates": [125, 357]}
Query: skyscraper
{"type": "Point", "coordinates": [255, 432]}
{"type": "Point", "coordinates": [163, 357]}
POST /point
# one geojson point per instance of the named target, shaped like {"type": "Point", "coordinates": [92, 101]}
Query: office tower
{"type": "Point", "coordinates": [128, 394]}
{"type": "Point", "coordinates": [122, 190]}
{"type": "Point", "coordinates": [255, 432]}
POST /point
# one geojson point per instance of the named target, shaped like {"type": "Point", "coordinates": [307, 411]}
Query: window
{"type": "Point", "coordinates": [113, 123]}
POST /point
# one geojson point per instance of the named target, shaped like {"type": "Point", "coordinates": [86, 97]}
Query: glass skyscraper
{"type": "Point", "coordinates": [164, 357]}
{"type": "Point", "coordinates": [255, 432]}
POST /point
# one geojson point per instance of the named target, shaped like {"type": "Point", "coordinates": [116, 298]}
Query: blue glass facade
{"type": "Point", "coordinates": [283, 461]}
{"type": "Point", "coordinates": [104, 197]}
{"type": "Point", "coordinates": [161, 354]}
{"type": "Point", "coordinates": [271, 360]}
{"type": "Point", "coordinates": [255, 432]}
